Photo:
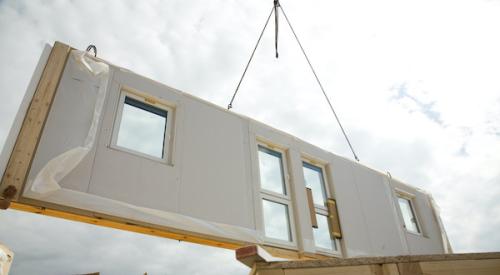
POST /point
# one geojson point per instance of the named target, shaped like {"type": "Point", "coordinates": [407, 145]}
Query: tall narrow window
{"type": "Point", "coordinates": [408, 213]}
{"type": "Point", "coordinates": [274, 195]}
{"type": "Point", "coordinates": [142, 127]}
{"type": "Point", "coordinates": [315, 180]}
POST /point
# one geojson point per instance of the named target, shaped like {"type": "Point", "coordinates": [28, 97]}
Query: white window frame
{"type": "Point", "coordinates": [411, 199]}
{"type": "Point", "coordinates": [148, 100]}
{"type": "Point", "coordinates": [323, 209]}
{"type": "Point", "coordinates": [277, 197]}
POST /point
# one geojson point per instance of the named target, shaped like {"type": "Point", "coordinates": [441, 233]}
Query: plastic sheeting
{"type": "Point", "coordinates": [47, 180]}
{"type": "Point", "coordinates": [5, 260]}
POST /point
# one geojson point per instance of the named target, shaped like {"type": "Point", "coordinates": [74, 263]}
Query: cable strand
{"type": "Point", "coordinates": [230, 105]}
{"type": "Point", "coordinates": [319, 83]}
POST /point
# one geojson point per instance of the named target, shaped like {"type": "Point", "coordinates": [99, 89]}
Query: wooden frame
{"type": "Point", "coordinates": [312, 211]}
{"type": "Point", "coordinates": [468, 263]}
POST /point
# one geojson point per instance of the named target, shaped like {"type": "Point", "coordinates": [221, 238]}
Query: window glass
{"type": "Point", "coordinates": [271, 171]}
{"type": "Point", "coordinates": [408, 215]}
{"type": "Point", "coordinates": [142, 128]}
{"type": "Point", "coordinates": [322, 237]}
{"type": "Point", "coordinates": [313, 177]}
{"type": "Point", "coordinates": [276, 221]}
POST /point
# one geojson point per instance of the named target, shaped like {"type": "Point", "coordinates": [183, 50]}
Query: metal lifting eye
{"type": "Point", "coordinates": [92, 47]}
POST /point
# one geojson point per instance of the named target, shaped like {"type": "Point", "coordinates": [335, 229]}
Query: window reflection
{"type": "Point", "coordinates": [313, 176]}
{"type": "Point", "coordinates": [322, 237]}
{"type": "Point", "coordinates": [276, 221]}
{"type": "Point", "coordinates": [271, 171]}
{"type": "Point", "coordinates": [408, 215]}
{"type": "Point", "coordinates": [142, 128]}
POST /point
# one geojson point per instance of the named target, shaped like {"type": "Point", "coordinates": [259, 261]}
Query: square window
{"type": "Point", "coordinates": [276, 220]}
{"type": "Point", "coordinates": [313, 177]}
{"type": "Point", "coordinates": [142, 127]}
{"type": "Point", "coordinates": [322, 237]}
{"type": "Point", "coordinates": [271, 170]}
{"type": "Point", "coordinates": [408, 214]}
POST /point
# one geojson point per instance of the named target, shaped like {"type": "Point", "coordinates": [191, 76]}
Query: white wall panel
{"type": "Point", "coordinates": [211, 177]}
{"type": "Point", "coordinates": [214, 180]}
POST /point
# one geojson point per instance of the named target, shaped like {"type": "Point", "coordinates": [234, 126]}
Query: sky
{"type": "Point", "coordinates": [415, 84]}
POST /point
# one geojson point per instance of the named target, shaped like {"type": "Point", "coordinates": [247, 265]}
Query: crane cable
{"type": "Point", "coordinates": [275, 10]}
{"type": "Point", "coordinates": [230, 105]}
{"type": "Point", "coordinates": [320, 85]}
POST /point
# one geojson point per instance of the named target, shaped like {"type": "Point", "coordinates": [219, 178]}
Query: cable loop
{"type": "Point", "coordinates": [92, 47]}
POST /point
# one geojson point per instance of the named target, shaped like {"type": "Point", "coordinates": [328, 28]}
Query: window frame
{"type": "Point", "coordinates": [322, 209]}
{"type": "Point", "coordinates": [411, 200]}
{"type": "Point", "coordinates": [285, 199]}
{"type": "Point", "coordinates": [150, 101]}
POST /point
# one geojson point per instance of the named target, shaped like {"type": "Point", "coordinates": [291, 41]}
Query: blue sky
{"type": "Point", "coordinates": [414, 82]}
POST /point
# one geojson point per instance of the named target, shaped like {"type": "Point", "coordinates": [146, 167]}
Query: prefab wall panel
{"type": "Point", "coordinates": [209, 183]}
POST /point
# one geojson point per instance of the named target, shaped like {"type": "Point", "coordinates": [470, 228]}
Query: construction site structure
{"type": "Point", "coordinates": [100, 144]}
{"type": "Point", "coordinates": [444, 264]}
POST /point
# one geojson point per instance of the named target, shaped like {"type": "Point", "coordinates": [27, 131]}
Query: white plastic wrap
{"type": "Point", "coordinates": [47, 180]}
{"type": "Point", "coordinates": [6, 258]}
{"type": "Point", "coordinates": [3, 260]}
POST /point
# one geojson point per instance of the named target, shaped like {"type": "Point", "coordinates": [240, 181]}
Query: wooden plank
{"type": "Point", "coordinates": [409, 269]}
{"type": "Point", "coordinates": [447, 267]}
{"type": "Point", "coordinates": [271, 272]}
{"type": "Point", "coordinates": [390, 269]}
{"type": "Point", "coordinates": [340, 270]}
{"type": "Point", "coordinates": [333, 218]}
{"type": "Point", "coordinates": [312, 211]}
{"type": "Point", "coordinates": [292, 254]}
{"type": "Point", "coordinates": [462, 267]}
{"type": "Point", "coordinates": [84, 216]}
{"type": "Point", "coordinates": [118, 223]}
{"type": "Point", "coordinates": [380, 260]}
{"type": "Point", "coordinates": [26, 144]}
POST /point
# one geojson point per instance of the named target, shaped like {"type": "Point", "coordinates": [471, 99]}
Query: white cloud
{"type": "Point", "coordinates": [443, 135]}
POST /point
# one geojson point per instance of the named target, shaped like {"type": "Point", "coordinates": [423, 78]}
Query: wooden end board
{"type": "Point", "coordinates": [26, 144]}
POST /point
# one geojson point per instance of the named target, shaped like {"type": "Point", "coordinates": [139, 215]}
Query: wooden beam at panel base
{"type": "Point", "coordinates": [78, 215]}
{"type": "Point", "coordinates": [121, 224]}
